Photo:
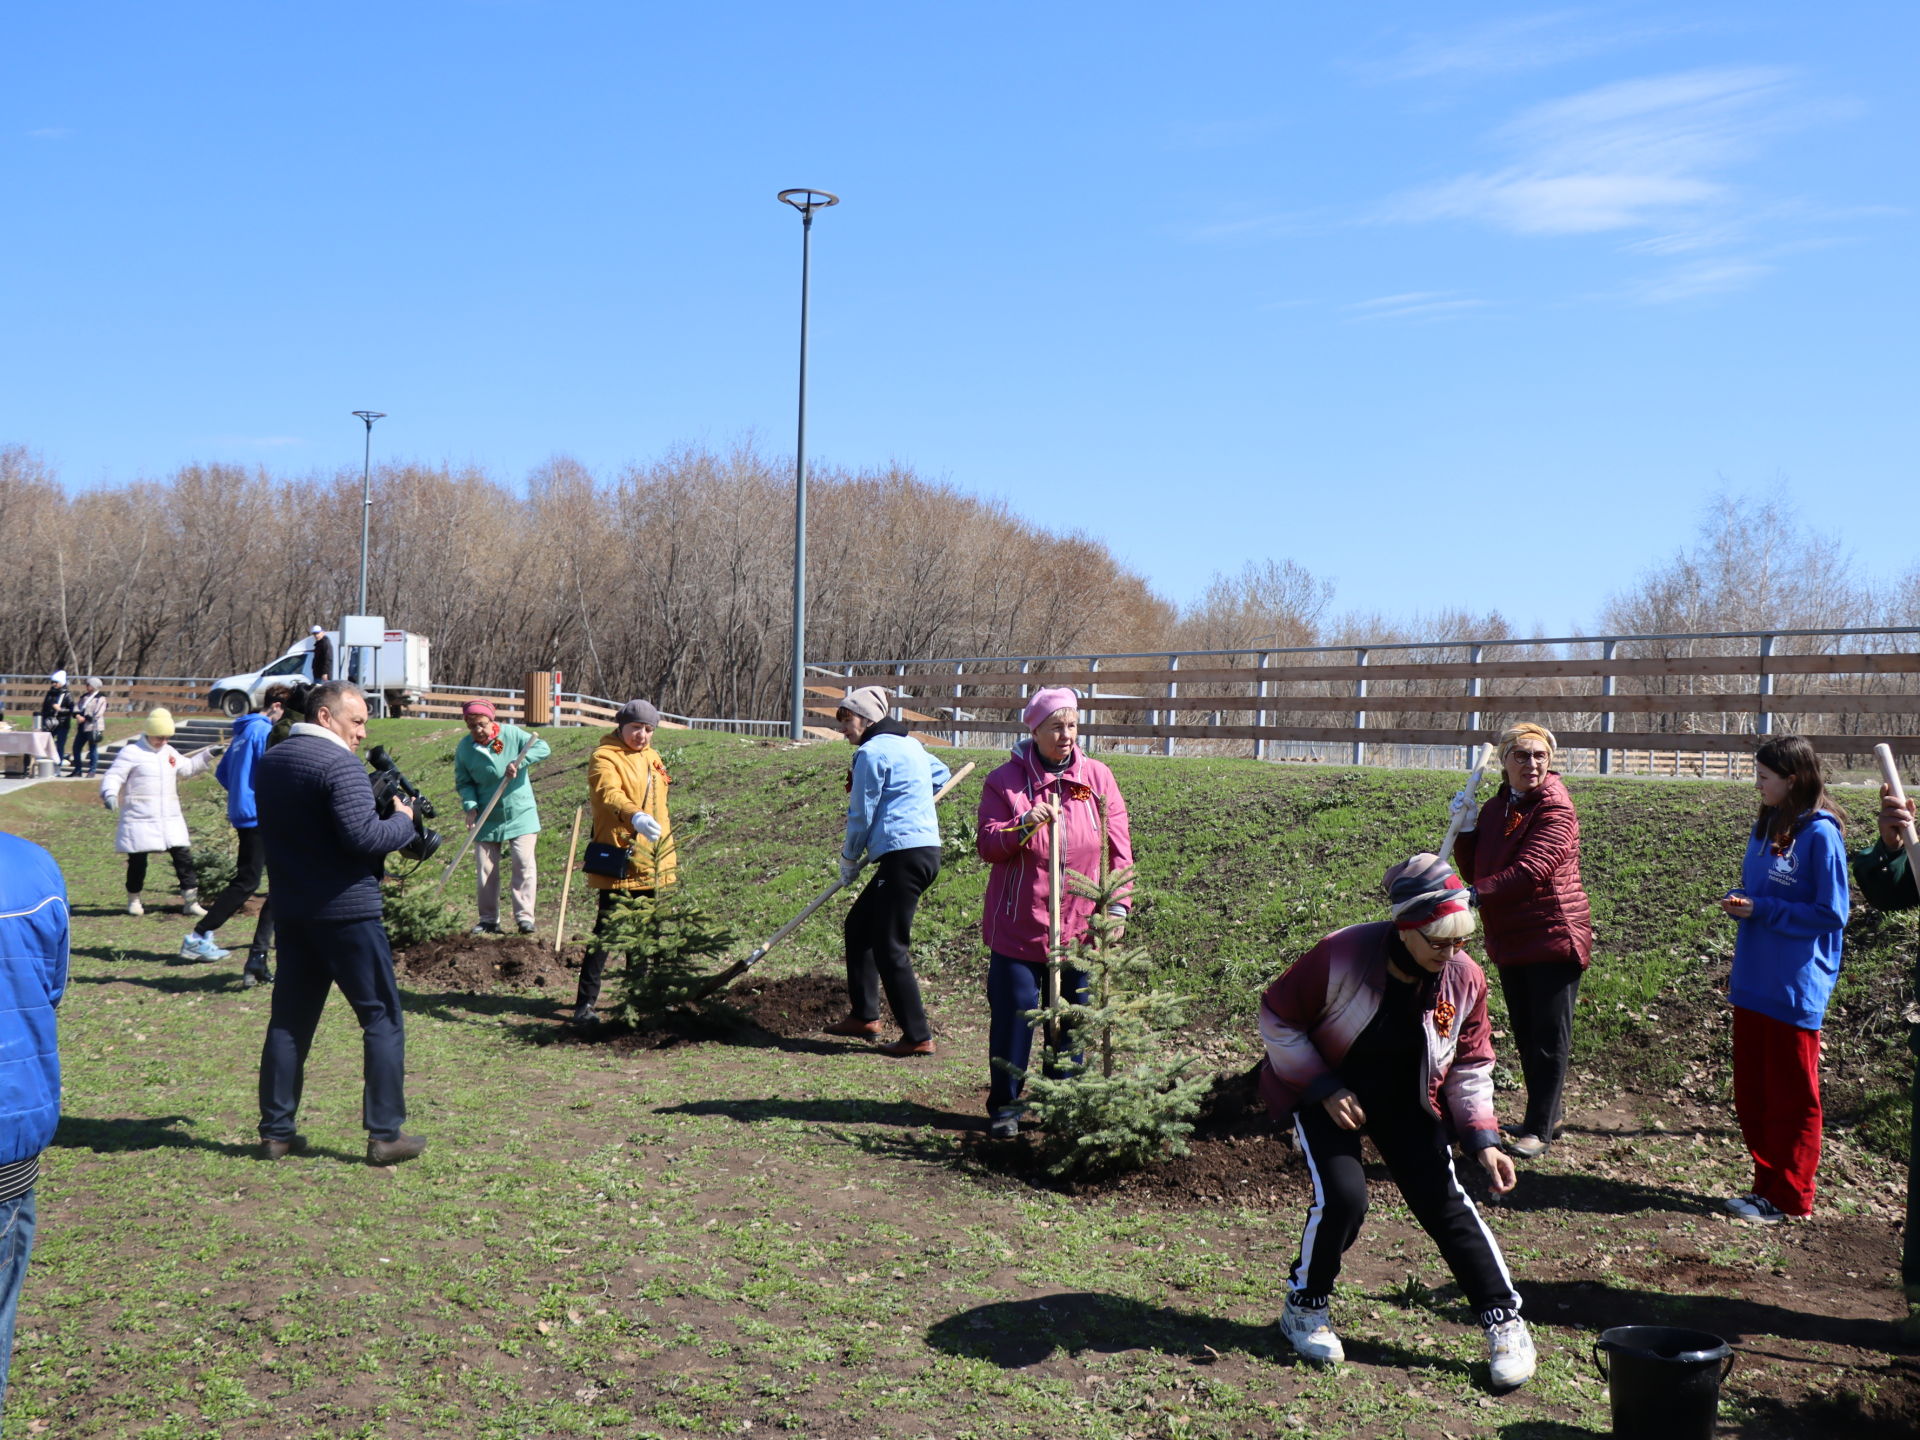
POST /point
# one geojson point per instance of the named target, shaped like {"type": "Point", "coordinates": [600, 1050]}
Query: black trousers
{"type": "Point", "coordinates": [1420, 1159]}
{"type": "Point", "coordinates": [249, 864]}
{"type": "Point", "coordinates": [593, 965]}
{"type": "Point", "coordinates": [314, 957]}
{"type": "Point", "coordinates": [183, 870]}
{"type": "Point", "coordinates": [1540, 1001]}
{"type": "Point", "coordinates": [879, 935]}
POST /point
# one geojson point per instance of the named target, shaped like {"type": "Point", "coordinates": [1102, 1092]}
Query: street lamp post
{"type": "Point", "coordinates": [806, 201]}
{"type": "Point", "coordinates": [366, 500]}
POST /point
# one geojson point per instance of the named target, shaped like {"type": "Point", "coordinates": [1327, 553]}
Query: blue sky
{"type": "Point", "coordinates": [1457, 305]}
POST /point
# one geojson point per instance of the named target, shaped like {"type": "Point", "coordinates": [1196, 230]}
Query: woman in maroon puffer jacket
{"type": "Point", "coordinates": [1523, 860]}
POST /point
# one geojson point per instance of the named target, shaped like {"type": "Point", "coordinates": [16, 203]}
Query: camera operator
{"type": "Point", "coordinates": [325, 844]}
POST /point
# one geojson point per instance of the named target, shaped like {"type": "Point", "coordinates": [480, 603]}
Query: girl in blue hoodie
{"type": "Point", "coordinates": [1792, 912]}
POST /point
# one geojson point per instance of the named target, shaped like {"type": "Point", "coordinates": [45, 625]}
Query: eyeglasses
{"type": "Point", "coordinates": [1445, 947]}
{"type": "Point", "coordinates": [1540, 755]}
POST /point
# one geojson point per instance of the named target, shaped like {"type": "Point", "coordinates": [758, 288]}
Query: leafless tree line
{"type": "Point", "coordinates": [670, 580]}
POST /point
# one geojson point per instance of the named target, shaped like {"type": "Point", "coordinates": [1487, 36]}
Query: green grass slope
{"type": "Point", "coordinates": [1242, 866]}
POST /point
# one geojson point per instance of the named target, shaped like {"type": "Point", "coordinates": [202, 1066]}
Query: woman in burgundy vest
{"type": "Point", "coordinates": [1522, 859]}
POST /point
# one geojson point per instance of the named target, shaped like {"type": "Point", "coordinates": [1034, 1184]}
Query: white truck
{"type": "Point", "coordinates": [399, 670]}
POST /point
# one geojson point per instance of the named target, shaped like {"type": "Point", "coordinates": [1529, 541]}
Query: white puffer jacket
{"type": "Point", "coordinates": [144, 783]}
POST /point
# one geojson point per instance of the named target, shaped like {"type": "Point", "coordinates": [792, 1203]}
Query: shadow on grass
{"type": "Point", "coordinates": [215, 982]}
{"type": "Point", "coordinates": [1595, 1195]}
{"type": "Point", "coordinates": [480, 1007]}
{"type": "Point", "coordinates": [905, 1113]}
{"type": "Point", "coordinates": [1548, 1430]}
{"type": "Point", "coordinates": [711, 1026]}
{"type": "Point", "coordinates": [156, 1132]}
{"type": "Point", "coordinates": [1014, 1334]}
{"type": "Point", "coordinates": [1591, 1306]}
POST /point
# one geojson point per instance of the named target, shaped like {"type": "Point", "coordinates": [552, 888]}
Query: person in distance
{"type": "Point", "coordinates": [891, 824]}
{"type": "Point", "coordinates": [143, 784]}
{"type": "Point", "coordinates": [1791, 907]}
{"type": "Point", "coordinates": [632, 832]}
{"type": "Point", "coordinates": [491, 755]}
{"type": "Point", "coordinates": [1521, 856]}
{"type": "Point", "coordinates": [1048, 781]}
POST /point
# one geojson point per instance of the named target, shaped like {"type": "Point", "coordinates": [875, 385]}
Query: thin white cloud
{"type": "Point", "coordinates": [1639, 153]}
{"type": "Point", "coordinates": [1690, 282]}
{"type": "Point", "coordinates": [1414, 305]}
{"type": "Point", "coordinates": [1522, 43]}
{"type": "Point", "coordinates": [50, 132]}
{"type": "Point", "coordinates": [1218, 134]}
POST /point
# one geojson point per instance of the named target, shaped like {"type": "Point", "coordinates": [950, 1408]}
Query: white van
{"type": "Point", "coordinates": [401, 672]}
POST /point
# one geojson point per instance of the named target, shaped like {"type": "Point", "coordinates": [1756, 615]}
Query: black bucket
{"type": "Point", "coordinates": [1665, 1382]}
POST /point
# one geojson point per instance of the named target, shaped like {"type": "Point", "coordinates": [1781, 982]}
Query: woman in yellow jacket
{"type": "Point", "coordinates": [628, 784]}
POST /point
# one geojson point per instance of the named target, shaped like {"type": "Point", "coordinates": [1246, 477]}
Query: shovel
{"type": "Point", "coordinates": [1473, 784]}
{"type": "Point", "coordinates": [740, 967]}
{"type": "Point", "coordinates": [1890, 773]}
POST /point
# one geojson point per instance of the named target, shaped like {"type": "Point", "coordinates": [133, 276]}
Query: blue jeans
{"type": "Point", "coordinates": [1014, 987]}
{"type": "Point", "coordinates": [90, 740]}
{"type": "Point", "coordinates": [16, 1248]}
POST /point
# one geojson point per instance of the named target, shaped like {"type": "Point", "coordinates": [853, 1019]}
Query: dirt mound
{"type": "Point", "coordinates": [750, 1012]}
{"type": "Point", "coordinates": [791, 1006]}
{"type": "Point", "coordinates": [1235, 1155]}
{"type": "Point", "coordinates": [482, 963]}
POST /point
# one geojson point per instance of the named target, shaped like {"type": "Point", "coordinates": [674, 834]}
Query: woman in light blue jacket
{"type": "Point", "coordinates": [891, 823]}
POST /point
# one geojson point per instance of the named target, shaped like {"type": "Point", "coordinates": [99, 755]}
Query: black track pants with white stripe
{"type": "Point", "coordinates": [1415, 1148]}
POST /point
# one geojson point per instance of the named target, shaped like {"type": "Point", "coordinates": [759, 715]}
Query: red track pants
{"type": "Point", "coordinates": [1776, 1094]}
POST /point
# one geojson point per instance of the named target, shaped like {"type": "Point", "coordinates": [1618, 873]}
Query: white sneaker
{"type": "Point", "coordinates": [201, 947]}
{"type": "Point", "coordinates": [1309, 1329]}
{"type": "Point", "coordinates": [134, 907]}
{"type": "Point", "coordinates": [191, 907]}
{"type": "Point", "coordinates": [1510, 1356]}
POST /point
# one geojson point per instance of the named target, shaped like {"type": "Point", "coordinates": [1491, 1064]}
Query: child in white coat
{"type": "Point", "coordinates": [142, 784]}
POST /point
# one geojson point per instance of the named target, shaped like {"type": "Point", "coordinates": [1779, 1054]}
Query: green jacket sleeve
{"type": "Point", "coordinates": [1885, 877]}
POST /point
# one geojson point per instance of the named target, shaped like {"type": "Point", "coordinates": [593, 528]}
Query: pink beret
{"type": "Point", "coordinates": [1045, 702]}
{"type": "Point", "coordinates": [477, 707]}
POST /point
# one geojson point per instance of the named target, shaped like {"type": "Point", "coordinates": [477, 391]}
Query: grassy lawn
{"type": "Point", "coordinates": [788, 1235]}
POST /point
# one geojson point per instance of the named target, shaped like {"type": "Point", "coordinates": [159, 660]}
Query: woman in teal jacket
{"type": "Point", "coordinates": [491, 753]}
{"type": "Point", "coordinates": [1792, 907]}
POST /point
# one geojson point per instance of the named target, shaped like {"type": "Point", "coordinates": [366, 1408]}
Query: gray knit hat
{"type": "Point", "coordinates": [637, 712]}
{"type": "Point", "coordinates": [869, 702]}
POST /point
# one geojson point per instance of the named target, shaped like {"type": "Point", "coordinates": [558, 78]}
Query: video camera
{"type": "Point", "coordinates": [390, 782]}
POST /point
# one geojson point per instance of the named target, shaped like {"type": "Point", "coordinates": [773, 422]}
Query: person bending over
{"type": "Point", "coordinates": [1381, 1030]}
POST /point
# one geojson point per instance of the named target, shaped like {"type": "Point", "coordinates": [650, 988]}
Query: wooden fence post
{"type": "Point", "coordinates": [1359, 716]}
{"type": "Point", "coordinates": [1608, 651]}
{"type": "Point", "coordinates": [1763, 722]}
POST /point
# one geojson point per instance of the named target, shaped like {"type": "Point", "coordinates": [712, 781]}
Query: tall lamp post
{"type": "Point", "coordinates": [366, 499]}
{"type": "Point", "coordinates": [806, 201]}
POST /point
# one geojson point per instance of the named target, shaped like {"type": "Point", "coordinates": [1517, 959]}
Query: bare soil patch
{"type": "Point", "coordinates": [480, 964]}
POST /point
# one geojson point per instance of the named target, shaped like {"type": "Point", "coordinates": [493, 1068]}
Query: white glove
{"type": "Point", "coordinates": [645, 824]}
{"type": "Point", "coordinates": [848, 869]}
{"type": "Point", "coordinates": [1464, 805]}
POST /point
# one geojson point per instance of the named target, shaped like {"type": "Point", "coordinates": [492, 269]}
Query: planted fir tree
{"type": "Point", "coordinates": [1109, 1096]}
{"type": "Point", "coordinates": [415, 911]}
{"type": "Point", "coordinates": [672, 947]}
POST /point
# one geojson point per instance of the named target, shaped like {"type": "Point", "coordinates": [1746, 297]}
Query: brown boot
{"type": "Point", "coordinates": [903, 1047]}
{"type": "Point", "coordinates": [855, 1027]}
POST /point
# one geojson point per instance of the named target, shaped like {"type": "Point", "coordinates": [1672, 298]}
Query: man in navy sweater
{"type": "Point", "coordinates": [325, 843]}
{"type": "Point", "coordinates": [33, 977]}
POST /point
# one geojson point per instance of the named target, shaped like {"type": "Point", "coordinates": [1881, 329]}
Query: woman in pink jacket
{"type": "Point", "coordinates": [1381, 1030]}
{"type": "Point", "coordinates": [1049, 781]}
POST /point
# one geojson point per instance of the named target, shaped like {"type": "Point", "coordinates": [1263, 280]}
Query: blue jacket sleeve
{"type": "Point", "coordinates": [536, 750]}
{"type": "Point", "coordinates": [1827, 907]}
{"type": "Point", "coordinates": [863, 802]}
{"type": "Point", "coordinates": [941, 774]}
{"type": "Point", "coordinates": [356, 821]}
